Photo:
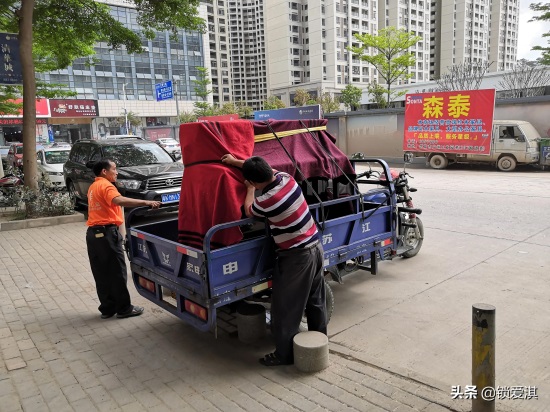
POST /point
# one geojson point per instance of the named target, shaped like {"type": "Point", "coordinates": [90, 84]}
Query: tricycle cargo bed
{"type": "Point", "coordinates": [191, 283]}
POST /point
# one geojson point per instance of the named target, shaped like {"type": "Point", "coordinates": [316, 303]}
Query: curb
{"type": "Point", "coordinates": [41, 222]}
{"type": "Point", "coordinates": [436, 391]}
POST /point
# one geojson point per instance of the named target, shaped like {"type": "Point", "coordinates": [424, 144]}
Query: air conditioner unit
{"type": "Point", "coordinates": [145, 49]}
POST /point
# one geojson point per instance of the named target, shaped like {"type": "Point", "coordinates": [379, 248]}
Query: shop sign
{"type": "Point", "coordinates": [10, 65]}
{"type": "Point", "coordinates": [290, 113]}
{"type": "Point", "coordinates": [160, 133]}
{"type": "Point", "coordinates": [73, 108]}
{"type": "Point", "coordinates": [42, 108]}
{"type": "Point", "coordinates": [19, 121]}
{"type": "Point", "coordinates": [451, 122]}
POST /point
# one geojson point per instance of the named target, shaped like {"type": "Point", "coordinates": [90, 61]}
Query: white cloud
{"type": "Point", "coordinates": [530, 34]}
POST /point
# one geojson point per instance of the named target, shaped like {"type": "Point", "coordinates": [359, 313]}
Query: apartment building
{"type": "Point", "coordinates": [237, 52]}
{"type": "Point", "coordinates": [474, 30]}
{"type": "Point", "coordinates": [306, 40]}
{"type": "Point", "coordinates": [119, 81]}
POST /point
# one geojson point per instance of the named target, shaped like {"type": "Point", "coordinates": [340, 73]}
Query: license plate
{"type": "Point", "coordinates": [170, 197]}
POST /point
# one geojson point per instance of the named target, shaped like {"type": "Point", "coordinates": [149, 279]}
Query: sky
{"type": "Point", "coordinates": [529, 34]}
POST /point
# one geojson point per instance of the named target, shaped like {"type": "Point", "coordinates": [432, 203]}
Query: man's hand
{"type": "Point", "coordinates": [229, 159]}
{"type": "Point", "coordinates": [155, 204]}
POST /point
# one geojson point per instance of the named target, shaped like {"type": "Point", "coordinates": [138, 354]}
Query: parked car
{"type": "Point", "coordinates": [145, 170]}
{"type": "Point", "coordinates": [4, 154]}
{"type": "Point", "coordinates": [50, 165]}
{"type": "Point", "coordinates": [172, 146]}
{"type": "Point", "coordinates": [14, 158]}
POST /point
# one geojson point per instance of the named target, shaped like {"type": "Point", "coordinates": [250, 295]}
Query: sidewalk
{"type": "Point", "coordinates": [57, 354]}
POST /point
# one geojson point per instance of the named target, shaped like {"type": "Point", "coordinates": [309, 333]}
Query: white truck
{"type": "Point", "coordinates": [513, 142]}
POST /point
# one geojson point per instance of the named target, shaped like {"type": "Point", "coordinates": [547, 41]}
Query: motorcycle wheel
{"type": "Point", "coordinates": [410, 239]}
{"type": "Point", "coordinates": [329, 302]}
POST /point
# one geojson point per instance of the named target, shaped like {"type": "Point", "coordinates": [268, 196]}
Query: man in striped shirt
{"type": "Point", "coordinates": [298, 282]}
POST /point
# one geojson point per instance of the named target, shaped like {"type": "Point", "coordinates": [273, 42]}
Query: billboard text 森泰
{"type": "Point", "coordinates": [449, 122]}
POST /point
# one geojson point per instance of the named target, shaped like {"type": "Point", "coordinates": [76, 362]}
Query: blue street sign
{"type": "Point", "coordinates": [291, 113]}
{"type": "Point", "coordinates": [164, 91]}
{"type": "Point", "coordinates": [10, 64]}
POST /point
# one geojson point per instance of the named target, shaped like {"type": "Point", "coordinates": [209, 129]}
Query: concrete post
{"type": "Point", "coordinates": [483, 357]}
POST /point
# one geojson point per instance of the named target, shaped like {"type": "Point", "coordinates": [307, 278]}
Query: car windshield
{"type": "Point", "coordinates": [57, 157]}
{"type": "Point", "coordinates": [19, 149]}
{"type": "Point", "coordinates": [137, 154]}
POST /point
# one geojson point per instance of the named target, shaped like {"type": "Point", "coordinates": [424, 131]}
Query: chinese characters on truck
{"type": "Point", "coordinates": [453, 122]}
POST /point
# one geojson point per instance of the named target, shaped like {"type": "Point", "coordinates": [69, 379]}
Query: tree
{"type": "Point", "coordinates": [7, 104]}
{"type": "Point", "coordinates": [187, 117]}
{"type": "Point", "coordinates": [329, 103]}
{"type": "Point", "coordinates": [301, 97]}
{"type": "Point", "coordinates": [351, 96]}
{"type": "Point", "coordinates": [273, 102]}
{"type": "Point", "coordinates": [202, 90]}
{"type": "Point", "coordinates": [53, 33]}
{"type": "Point", "coordinates": [544, 9]}
{"type": "Point", "coordinates": [525, 81]}
{"type": "Point", "coordinates": [133, 120]}
{"type": "Point", "coordinates": [228, 108]}
{"type": "Point", "coordinates": [463, 76]}
{"type": "Point", "coordinates": [244, 111]}
{"type": "Point", "coordinates": [378, 94]}
{"type": "Point", "coordinates": [392, 60]}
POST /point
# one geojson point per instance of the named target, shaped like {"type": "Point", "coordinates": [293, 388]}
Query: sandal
{"type": "Point", "coordinates": [135, 311]}
{"type": "Point", "coordinates": [272, 360]}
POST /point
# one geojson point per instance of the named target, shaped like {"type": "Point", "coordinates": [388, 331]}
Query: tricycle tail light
{"type": "Point", "coordinates": [196, 310]}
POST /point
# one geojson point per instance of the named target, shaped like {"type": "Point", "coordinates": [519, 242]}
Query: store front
{"type": "Point", "coordinates": [72, 119]}
{"type": "Point", "coordinates": [11, 126]}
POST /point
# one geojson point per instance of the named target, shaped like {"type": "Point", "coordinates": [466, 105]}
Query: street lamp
{"type": "Point", "coordinates": [125, 111]}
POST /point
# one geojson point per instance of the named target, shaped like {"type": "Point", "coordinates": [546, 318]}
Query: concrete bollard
{"type": "Point", "coordinates": [310, 351]}
{"type": "Point", "coordinates": [251, 324]}
{"type": "Point", "coordinates": [483, 356]}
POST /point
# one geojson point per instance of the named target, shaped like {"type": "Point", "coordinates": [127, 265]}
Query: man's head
{"type": "Point", "coordinates": [257, 170]}
{"type": "Point", "coordinates": [106, 168]}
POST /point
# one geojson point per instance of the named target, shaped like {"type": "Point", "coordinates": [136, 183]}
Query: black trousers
{"type": "Point", "coordinates": [109, 269]}
{"type": "Point", "coordinates": [298, 286]}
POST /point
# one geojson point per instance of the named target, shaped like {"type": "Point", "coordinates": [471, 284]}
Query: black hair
{"type": "Point", "coordinates": [257, 170]}
{"type": "Point", "coordinates": [101, 164]}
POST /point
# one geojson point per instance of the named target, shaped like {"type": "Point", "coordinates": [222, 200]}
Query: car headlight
{"type": "Point", "coordinates": [128, 184]}
{"type": "Point", "coordinates": [19, 161]}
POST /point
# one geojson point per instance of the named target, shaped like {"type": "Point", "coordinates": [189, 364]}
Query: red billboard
{"type": "Point", "coordinates": [449, 122]}
{"type": "Point", "coordinates": [158, 133]}
{"type": "Point", "coordinates": [73, 108]}
{"type": "Point", "coordinates": [42, 108]}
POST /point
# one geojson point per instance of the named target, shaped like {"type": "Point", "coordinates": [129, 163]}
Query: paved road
{"type": "Point", "coordinates": [398, 340]}
{"type": "Point", "coordinates": [487, 239]}
{"type": "Point", "coordinates": [57, 354]}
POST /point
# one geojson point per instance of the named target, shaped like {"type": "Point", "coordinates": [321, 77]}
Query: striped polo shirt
{"type": "Point", "coordinates": [283, 204]}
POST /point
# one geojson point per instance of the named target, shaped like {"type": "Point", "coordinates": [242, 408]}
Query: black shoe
{"type": "Point", "coordinates": [135, 311]}
{"type": "Point", "coordinates": [107, 315]}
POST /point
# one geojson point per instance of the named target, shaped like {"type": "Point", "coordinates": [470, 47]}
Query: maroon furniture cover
{"type": "Point", "coordinates": [213, 193]}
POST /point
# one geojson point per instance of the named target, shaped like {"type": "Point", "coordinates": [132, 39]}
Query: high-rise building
{"type": "Point", "coordinates": [482, 31]}
{"type": "Point", "coordinates": [126, 82]}
{"type": "Point", "coordinates": [237, 52]}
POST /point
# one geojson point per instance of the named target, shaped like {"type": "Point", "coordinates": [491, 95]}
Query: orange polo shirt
{"type": "Point", "coordinates": [101, 209]}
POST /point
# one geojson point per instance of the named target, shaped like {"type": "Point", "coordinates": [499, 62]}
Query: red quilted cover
{"type": "Point", "coordinates": [211, 192]}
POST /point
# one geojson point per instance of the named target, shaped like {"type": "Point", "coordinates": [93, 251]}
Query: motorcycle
{"type": "Point", "coordinates": [410, 229]}
{"type": "Point", "coordinates": [410, 233]}
{"type": "Point", "coordinates": [8, 183]}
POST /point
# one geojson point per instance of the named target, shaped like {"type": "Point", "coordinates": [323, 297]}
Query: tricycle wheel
{"type": "Point", "coordinates": [410, 239]}
{"type": "Point", "coordinates": [329, 301]}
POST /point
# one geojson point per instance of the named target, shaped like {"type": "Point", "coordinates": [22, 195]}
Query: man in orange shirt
{"type": "Point", "coordinates": [104, 241]}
